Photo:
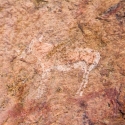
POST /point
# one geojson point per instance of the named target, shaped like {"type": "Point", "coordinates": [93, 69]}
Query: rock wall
{"type": "Point", "coordinates": [62, 62]}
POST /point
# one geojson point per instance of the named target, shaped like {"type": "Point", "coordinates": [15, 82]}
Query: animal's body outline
{"type": "Point", "coordinates": [87, 59]}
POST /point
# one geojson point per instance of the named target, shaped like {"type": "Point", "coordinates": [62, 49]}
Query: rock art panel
{"type": "Point", "coordinates": [62, 62]}
{"type": "Point", "coordinates": [83, 59]}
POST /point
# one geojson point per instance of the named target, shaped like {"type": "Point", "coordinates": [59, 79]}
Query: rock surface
{"type": "Point", "coordinates": [51, 72]}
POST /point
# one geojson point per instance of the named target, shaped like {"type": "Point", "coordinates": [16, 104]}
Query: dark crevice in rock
{"type": "Point", "coordinates": [80, 27]}
{"type": "Point", "coordinates": [114, 10]}
{"type": "Point", "coordinates": [119, 104]}
{"type": "Point", "coordinates": [86, 120]}
{"type": "Point", "coordinates": [122, 114]}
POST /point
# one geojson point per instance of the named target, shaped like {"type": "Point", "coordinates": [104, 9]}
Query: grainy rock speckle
{"type": "Point", "coordinates": [41, 45]}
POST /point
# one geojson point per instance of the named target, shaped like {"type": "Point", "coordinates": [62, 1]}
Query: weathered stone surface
{"type": "Point", "coordinates": [51, 72]}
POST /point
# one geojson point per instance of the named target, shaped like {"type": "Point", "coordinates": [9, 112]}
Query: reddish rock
{"type": "Point", "coordinates": [48, 48]}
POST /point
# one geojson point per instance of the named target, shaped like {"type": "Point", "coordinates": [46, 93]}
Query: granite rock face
{"type": "Point", "coordinates": [62, 62]}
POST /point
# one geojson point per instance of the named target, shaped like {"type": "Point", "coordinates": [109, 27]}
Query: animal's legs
{"type": "Point", "coordinates": [84, 81]}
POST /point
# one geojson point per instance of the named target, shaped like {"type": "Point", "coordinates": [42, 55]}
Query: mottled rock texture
{"type": "Point", "coordinates": [43, 61]}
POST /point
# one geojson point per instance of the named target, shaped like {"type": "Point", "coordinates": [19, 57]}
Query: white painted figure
{"type": "Point", "coordinates": [85, 60]}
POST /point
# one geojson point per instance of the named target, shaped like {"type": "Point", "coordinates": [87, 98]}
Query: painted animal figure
{"type": "Point", "coordinates": [82, 59]}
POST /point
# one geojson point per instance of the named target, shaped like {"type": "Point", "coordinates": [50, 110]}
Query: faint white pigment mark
{"type": "Point", "coordinates": [40, 91]}
{"type": "Point", "coordinates": [86, 61]}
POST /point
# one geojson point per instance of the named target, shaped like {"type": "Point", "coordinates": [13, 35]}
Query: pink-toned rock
{"type": "Point", "coordinates": [51, 52]}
